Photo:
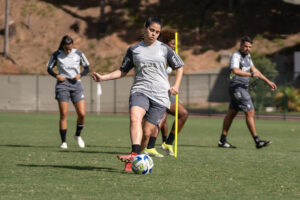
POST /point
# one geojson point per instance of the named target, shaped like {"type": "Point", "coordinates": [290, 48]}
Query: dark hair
{"type": "Point", "coordinates": [246, 39]}
{"type": "Point", "coordinates": [66, 40]}
{"type": "Point", "coordinates": [167, 35]}
{"type": "Point", "coordinates": [151, 20]}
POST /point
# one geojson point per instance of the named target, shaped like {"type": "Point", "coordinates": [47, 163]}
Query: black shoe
{"type": "Point", "coordinates": [263, 143]}
{"type": "Point", "coordinates": [226, 145]}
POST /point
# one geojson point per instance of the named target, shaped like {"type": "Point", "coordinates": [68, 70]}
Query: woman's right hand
{"type": "Point", "coordinates": [96, 77]}
{"type": "Point", "coordinates": [61, 78]}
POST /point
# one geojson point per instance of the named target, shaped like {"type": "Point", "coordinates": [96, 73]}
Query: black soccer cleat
{"type": "Point", "coordinates": [263, 143]}
{"type": "Point", "coordinates": [226, 145]}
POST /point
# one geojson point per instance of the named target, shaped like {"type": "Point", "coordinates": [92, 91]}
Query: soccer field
{"type": "Point", "coordinates": [33, 167]}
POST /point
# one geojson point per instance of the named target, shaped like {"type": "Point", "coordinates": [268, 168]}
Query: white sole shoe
{"type": "Point", "coordinates": [80, 142]}
{"type": "Point", "coordinates": [64, 145]}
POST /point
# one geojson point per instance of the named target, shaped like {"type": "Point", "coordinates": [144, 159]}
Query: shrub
{"type": "Point", "coordinates": [261, 94]}
{"type": "Point", "coordinates": [288, 98]}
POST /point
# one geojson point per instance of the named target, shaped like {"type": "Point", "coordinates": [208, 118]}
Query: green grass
{"type": "Point", "coordinates": [33, 167]}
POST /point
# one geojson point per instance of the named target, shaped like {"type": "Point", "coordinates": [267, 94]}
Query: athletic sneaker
{"type": "Point", "coordinates": [263, 143]}
{"type": "Point", "coordinates": [127, 158]}
{"type": "Point", "coordinates": [152, 152]}
{"type": "Point", "coordinates": [79, 140]}
{"type": "Point", "coordinates": [127, 167]}
{"type": "Point", "coordinates": [225, 145]}
{"type": "Point", "coordinates": [64, 145]}
{"type": "Point", "coordinates": [168, 148]}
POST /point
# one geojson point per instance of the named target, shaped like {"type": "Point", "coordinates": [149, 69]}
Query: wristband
{"type": "Point", "coordinates": [252, 73]}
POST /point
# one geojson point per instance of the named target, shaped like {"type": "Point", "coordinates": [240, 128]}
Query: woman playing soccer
{"type": "Point", "coordinates": [68, 85]}
{"type": "Point", "coordinates": [149, 95]}
{"type": "Point", "coordinates": [168, 37]}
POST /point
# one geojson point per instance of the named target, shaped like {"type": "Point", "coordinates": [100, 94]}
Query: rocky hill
{"type": "Point", "coordinates": [206, 29]}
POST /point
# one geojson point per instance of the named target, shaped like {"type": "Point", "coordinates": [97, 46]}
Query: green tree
{"type": "Point", "coordinates": [261, 94]}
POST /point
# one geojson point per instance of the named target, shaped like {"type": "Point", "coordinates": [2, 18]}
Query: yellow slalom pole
{"type": "Point", "coordinates": [176, 103]}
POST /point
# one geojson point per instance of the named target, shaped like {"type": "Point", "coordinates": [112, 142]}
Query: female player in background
{"type": "Point", "coordinates": [68, 85]}
{"type": "Point", "coordinates": [149, 95]}
{"type": "Point", "coordinates": [168, 37]}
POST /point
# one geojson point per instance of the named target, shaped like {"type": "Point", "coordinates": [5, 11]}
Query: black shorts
{"type": "Point", "coordinates": [69, 89]}
{"type": "Point", "coordinates": [240, 98]}
{"type": "Point", "coordinates": [154, 111]}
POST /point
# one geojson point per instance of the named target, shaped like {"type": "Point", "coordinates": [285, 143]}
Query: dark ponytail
{"type": "Point", "coordinates": [151, 20]}
{"type": "Point", "coordinates": [66, 40]}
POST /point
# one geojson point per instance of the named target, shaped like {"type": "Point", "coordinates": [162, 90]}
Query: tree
{"type": "Point", "coordinates": [6, 37]}
{"type": "Point", "coordinates": [262, 94]}
{"type": "Point", "coordinates": [102, 24]}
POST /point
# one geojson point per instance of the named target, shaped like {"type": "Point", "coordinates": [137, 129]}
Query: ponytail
{"type": "Point", "coordinates": [66, 40]}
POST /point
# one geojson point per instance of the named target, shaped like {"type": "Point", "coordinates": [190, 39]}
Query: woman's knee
{"type": "Point", "coordinates": [183, 114]}
{"type": "Point", "coordinates": [63, 116]}
{"type": "Point", "coordinates": [250, 113]}
{"type": "Point", "coordinates": [81, 115]}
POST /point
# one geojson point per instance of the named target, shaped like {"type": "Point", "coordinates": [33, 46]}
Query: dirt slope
{"type": "Point", "coordinates": [40, 26]}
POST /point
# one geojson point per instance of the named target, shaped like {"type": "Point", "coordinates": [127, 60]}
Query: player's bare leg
{"type": "Point", "coordinates": [163, 126]}
{"type": "Point", "coordinates": [136, 133]}
{"type": "Point", "coordinates": [182, 117]}
{"type": "Point", "coordinates": [148, 142]}
{"type": "Point", "coordinates": [149, 130]}
{"type": "Point", "coordinates": [231, 113]}
{"type": "Point", "coordinates": [63, 115]}
{"type": "Point", "coordinates": [136, 120]}
{"type": "Point", "coordinates": [80, 110]}
{"type": "Point", "coordinates": [250, 121]}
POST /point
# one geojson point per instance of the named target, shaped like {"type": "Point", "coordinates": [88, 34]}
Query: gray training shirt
{"type": "Point", "coordinates": [150, 63]}
{"type": "Point", "coordinates": [244, 63]}
{"type": "Point", "coordinates": [68, 64]}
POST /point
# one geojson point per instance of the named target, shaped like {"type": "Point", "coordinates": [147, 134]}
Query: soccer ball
{"type": "Point", "coordinates": [142, 164]}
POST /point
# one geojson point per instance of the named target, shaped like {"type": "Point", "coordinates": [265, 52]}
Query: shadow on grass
{"type": "Point", "coordinates": [100, 152]}
{"type": "Point", "coordinates": [197, 146]}
{"type": "Point", "coordinates": [89, 168]}
{"type": "Point", "coordinates": [32, 146]}
{"type": "Point", "coordinates": [24, 145]}
{"type": "Point", "coordinates": [106, 146]}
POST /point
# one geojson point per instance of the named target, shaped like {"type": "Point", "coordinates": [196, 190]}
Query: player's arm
{"type": "Point", "coordinates": [239, 72]}
{"type": "Point", "coordinates": [51, 64]}
{"type": "Point", "coordinates": [258, 74]}
{"type": "Point", "coordinates": [175, 62]}
{"type": "Point", "coordinates": [127, 64]}
{"type": "Point", "coordinates": [235, 66]}
{"type": "Point", "coordinates": [110, 76]}
{"type": "Point", "coordinates": [85, 71]}
{"type": "Point", "coordinates": [84, 63]}
{"type": "Point", "coordinates": [175, 88]}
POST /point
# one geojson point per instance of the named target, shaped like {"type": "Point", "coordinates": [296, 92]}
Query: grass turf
{"type": "Point", "coordinates": [33, 167]}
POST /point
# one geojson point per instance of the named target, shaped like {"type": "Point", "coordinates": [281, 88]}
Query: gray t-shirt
{"type": "Point", "coordinates": [244, 63]}
{"type": "Point", "coordinates": [68, 64]}
{"type": "Point", "coordinates": [150, 64]}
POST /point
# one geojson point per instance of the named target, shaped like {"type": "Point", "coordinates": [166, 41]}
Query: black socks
{"type": "Point", "coordinates": [170, 139]}
{"type": "Point", "coordinates": [151, 142]}
{"type": "Point", "coordinates": [136, 148]}
{"type": "Point", "coordinates": [223, 138]}
{"type": "Point", "coordinates": [164, 138]}
{"type": "Point", "coordinates": [256, 139]}
{"type": "Point", "coordinates": [63, 135]}
{"type": "Point", "coordinates": [78, 129]}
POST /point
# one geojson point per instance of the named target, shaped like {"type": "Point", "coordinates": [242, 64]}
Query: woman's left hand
{"type": "Point", "coordinates": [77, 77]}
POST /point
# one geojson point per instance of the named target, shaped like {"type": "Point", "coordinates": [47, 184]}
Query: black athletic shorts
{"type": "Point", "coordinates": [240, 98]}
{"type": "Point", "coordinates": [154, 111]}
{"type": "Point", "coordinates": [69, 89]}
